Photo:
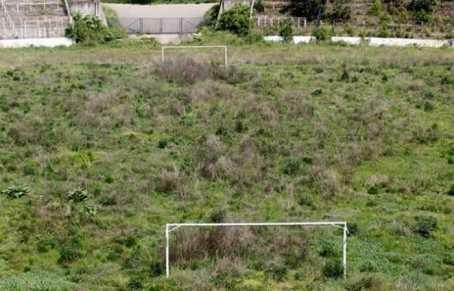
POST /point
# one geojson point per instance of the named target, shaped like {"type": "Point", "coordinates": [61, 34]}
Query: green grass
{"type": "Point", "coordinates": [286, 133]}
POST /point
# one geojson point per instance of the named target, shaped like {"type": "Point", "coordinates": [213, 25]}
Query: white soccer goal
{"type": "Point", "coordinates": [224, 47]}
{"type": "Point", "coordinates": [342, 224]}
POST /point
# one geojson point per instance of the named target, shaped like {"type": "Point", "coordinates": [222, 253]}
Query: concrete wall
{"type": "Point", "coordinates": [35, 42]}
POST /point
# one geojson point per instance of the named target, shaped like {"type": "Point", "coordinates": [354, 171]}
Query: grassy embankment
{"type": "Point", "coordinates": [111, 146]}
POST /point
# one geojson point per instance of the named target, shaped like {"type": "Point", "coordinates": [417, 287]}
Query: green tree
{"type": "Point", "coordinates": [311, 9]}
{"type": "Point", "coordinates": [235, 20]}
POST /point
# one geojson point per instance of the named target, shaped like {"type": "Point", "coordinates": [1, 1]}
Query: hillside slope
{"type": "Point", "coordinates": [107, 146]}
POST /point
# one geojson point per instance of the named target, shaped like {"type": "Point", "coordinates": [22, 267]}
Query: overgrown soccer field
{"type": "Point", "coordinates": [101, 147]}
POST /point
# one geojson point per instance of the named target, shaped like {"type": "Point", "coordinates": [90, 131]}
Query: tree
{"type": "Point", "coordinates": [235, 20]}
{"type": "Point", "coordinates": [311, 9]}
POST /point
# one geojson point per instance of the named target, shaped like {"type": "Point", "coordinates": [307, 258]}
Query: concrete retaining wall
{"type": "Point", "coordinates": [372, 41]}
{"type": "Point", "coordinates": [403, 42]}
{"type": "Point", "coordinates": [347, 39]}
{"type": "Point", "coordinates": [35, 42]}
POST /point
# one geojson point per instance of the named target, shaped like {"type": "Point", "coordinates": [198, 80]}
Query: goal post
{"type": "Point", "coordinates": [224, 47]}
{"type": "Point", "coordinates": [342, 224]}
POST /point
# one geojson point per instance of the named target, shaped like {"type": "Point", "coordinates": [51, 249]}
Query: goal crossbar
{"type": "Point", "coordinates": [164, 48]}
{"type": "Point", "coordinates": [342, 224]}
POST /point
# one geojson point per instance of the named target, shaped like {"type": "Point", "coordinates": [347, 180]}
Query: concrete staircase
{"type": "Point", "coordinates": [32, 19]}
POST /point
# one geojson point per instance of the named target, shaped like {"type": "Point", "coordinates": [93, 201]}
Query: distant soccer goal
{"type": "Point", "coordinates": [342, 224]}
{"type": "Point", "coordinates": [222, 47]}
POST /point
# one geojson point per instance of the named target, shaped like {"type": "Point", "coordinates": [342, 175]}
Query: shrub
{"type": "Point", "coordinates": [340, 11]}
{"type": "Point", "coordinates": [69, 253]}
{"type": "Point", "coordinates": [89, 29]}
{"type": "Point", "coordinates": [169, 181]}
{"type": "Point", "coordinates": [183, 70]}
{"type": "Point", "coordinates": [16, 191]}
{"type": "Point", "coordinates": [311, 9]}
{"type": "Point", "coordinates": [292, 166]}
{"type": "Point", "coordinates": [286, 30]}
{"type": "Point", "coordinates": [451, 191]}
{"type": "Point", "coordinates": [37, 281]}
{"type": "Point", "coordinates": [78, 195]}
{"type": "Point", "coordinates": [322, 33]}
{"type": "Point", "coordinates": [258, 6]}
{"type": "Point", "coordinates": [276, 271]}
{"type": "Point", "coordinates": [332, 269]}
{"type": "Point", "coordinates": [210, 17]}
{"type": "Point", "coordinates": [327, 249]}
{"type": "Point", "coordinates": [235, 20]}
{"type": "Point", "coordinates": [424, 225]}
{"type": "Point", "coordinates": [365, 283]}
{"type": "Point", "coordinates": [113, 22]}
{"type": "Point", "coordinates": [376, 9]}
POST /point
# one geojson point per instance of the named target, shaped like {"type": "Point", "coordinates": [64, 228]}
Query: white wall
{"type": "Point", "coordinates": [35, 42]}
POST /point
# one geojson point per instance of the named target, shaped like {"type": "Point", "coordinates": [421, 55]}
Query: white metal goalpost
{"type": "Point", "coordinates": [342, 224]}
{"type": "Point", "coordinates": [224, 47]}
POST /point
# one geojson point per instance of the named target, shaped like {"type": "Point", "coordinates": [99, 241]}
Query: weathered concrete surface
{"type": "Point", "coordinates": [403, 42]}
{"type": "Point", "coordinates": [161, 10]}
{"type": "Point", "coordinates": [35, 42]}
{"type": "Point", "coordinates": [295, 40]}
{"type": "Point", "coordinates": [166, 38]}
{"type": "Point", "coordinates": [351, 40]}
{"type": "Point", "coordinates": [303, 39]}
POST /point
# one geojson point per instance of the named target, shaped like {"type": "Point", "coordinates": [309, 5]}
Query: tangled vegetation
{"type": "Point", "coordinates": [89, 29]}
{"type": "Point", "coordinates": [101, 147]}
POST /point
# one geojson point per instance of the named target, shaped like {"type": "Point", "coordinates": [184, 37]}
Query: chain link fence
{"type": "Point", "coordinates": [144, 25]}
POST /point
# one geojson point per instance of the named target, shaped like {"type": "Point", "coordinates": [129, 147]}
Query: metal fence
{"type": "Point", "coordinates": [264, 21]}
{"type": "Point", "coordinates": [144, 25]}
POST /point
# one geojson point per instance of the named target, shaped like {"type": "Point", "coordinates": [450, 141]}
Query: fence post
{"type": "Point", "coordinates": [226, 56]}
{"type": "Point", "coordinates": [167, 252]}
{"type": "Point", "coordinates": [344, 251]}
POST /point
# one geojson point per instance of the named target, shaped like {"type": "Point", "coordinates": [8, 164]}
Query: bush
{"type": "Point", "coordinates": [211, 16]}
{"type": "Point", "coordinates": [286, 30]}
{"type": "Point", "coordinates": [78, 195]}
{"type": "Point", "coordinates": [451, 191]}
{"type": "Point", "coordinates": [327, 249]}
{"type": "Point", "coordinates": [424, 225]}
{"type": "Point", "coordinates": [16, 191]}
{"type": "Point", "coordinates": [311, 9]}
{"type": "Point", "coordinates": [321, 33]}
{"type": "Point", "coordinates": [292, 166]}
{"type": "Point", "coordinates": [90, 30]}
{"type": "Point", "coordinates": [332, 269]}
{"type": "Point", "coordinates": [235, 20]}
{"type": "Point", "coordinates": [258, 6]}
{"type": "Point", "coordinates": [37, 281]}
{"type": "Point", "coordinates": [276, 272]}
{"type": "Point", "coordinates": [376, 9]}
{"type": "Point", "coordinates": [340, 12]}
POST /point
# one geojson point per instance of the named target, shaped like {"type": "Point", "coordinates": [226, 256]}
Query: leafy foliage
{"type": "Point", "coordinates": [340, 12]}
{"type": "Point", "coordinates": [332, 269]}
{"type": "Point", "coordinates": [16, 191]}
{"type": "Point", "coordinates": [425, 225]}
{"type": "Point", "coordinates": [286, 30]}
{"type": "Point", "coordinates": [236, 20]}
{"type": "Point", "coordinates": [311, 9]}
{"type": "Point", "coordinates": [78, 195]}
{"type": "Point", "coordinates": [322, 33]}
{"type": "Point", "coordinates": [90, 30]}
